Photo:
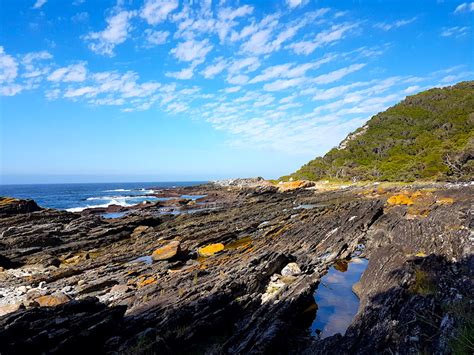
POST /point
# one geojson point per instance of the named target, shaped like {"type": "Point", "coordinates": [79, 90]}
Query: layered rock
{"type": "Point", "coordinates": [240, 278]}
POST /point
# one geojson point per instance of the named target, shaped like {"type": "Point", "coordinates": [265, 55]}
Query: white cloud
{"type": "Point", "coordinates": [337, 74]}
{"type": "Point", "coordinates": [80, 17]}
{"type": "Point", "coordinates": [83, 91]}
{"type": "Point", "coordinates": [239, 79]}
{"type": "Point", "coordinates": [71, 73]}
{"type": "Point", "coordinates": [34, 65]}
{"type": "Point", "coordinates": [8, 67]}
{"type": "Point", "coordinates": [111, 88]}
{"type": "Point", "coordinates": [116, 32]}
{"type": "Point", "coordinates": [10, 90]}
{"type": "Point", "coordinates": [266, 39]}
{"type": "Point", "coordinates": [258, 42]}
{"type": "Point", "coordinates": [156, 37]}
{"type": "Point", "coordinates": [296, 3]}
{"type": "Point", "coordinates": [230, 14]}
{"type": "Point", "coordinates": [184, 74]}
{"type": "Point", "coordinates": [333, 34]}
{"type": "Point", "coordinates": [249, 64]}
{"type": "Point", "coordinates": [192, 50]}
{"type": "Point", "coordinates": [52, 94]}
{"type": "Point", "coordinates": [456, 77]}
{"type": "Point", "coordinates": [39, 3]}
{"type": "Point", "coordinates": [31, 57]}
{"type": "Point", "coordinates": [283, 84]}
{"type": "Point", "coordinates": [303, 47]}
{"type": "Point", "coordinates": [464, 7]}
{"type": "Point", "coordinates": [232, 89]}
{"type": "Point", "coordinates": [397, 24]}
{"type": "Point", "coordinates": [156, 11]}
{"type": "Point", "coordinates": [412, 89]}
{"type": "Point", "coordinates": [456, 31]}
{"type": "Point", "coordinates": [217, 67]}
{"type": "Point", "coordinates": [264, 100]}
{"type": "Point", "coordinates": [272, 72]}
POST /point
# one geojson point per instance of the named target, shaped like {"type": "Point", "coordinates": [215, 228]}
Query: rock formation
{"type": "Point", "coordinates": [237, 273]}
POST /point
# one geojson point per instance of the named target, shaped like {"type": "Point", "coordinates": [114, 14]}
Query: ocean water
{"type": "Point", "coordinates": [76, 197]}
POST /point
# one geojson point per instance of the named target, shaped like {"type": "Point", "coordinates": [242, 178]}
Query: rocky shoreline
{"type": "Point", "coordinates": [211, 276]}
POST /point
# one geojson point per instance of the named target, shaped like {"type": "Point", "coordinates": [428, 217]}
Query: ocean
{"type": "Point", "coordinates": [76, 197]}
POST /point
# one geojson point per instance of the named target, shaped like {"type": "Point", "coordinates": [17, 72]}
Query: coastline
{"type": "Point", "coordinates": [162, 280]}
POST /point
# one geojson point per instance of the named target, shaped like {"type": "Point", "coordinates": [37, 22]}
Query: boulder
{"type": "Point", "coordinates": [54, 299]}
{"type": "Point", "coordinates": [166, 252]}
{"type": "Point", "coordinates": [11, 206]}
{"type": "Point", "coordinates": [292, 269]}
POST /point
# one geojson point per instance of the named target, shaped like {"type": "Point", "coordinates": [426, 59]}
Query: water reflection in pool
{"type": "Point", "coordinates": [337, 304]}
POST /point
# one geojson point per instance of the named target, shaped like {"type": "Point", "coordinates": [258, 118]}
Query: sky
{"type": "Point", "coordinates": [173, 90]}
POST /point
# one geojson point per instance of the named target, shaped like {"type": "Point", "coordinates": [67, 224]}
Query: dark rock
{"type": "Point", "coordinates": [420, 264]}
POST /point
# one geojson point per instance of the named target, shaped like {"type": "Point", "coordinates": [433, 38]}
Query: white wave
{"type": "Point", "coordinates": [146, 191]}
{"type": "Point", "coordinates": [117, 190]}
{"type": "Point", "coordinates": [119, 201]}
{"type": "Point", "coordinates": [105, 198]}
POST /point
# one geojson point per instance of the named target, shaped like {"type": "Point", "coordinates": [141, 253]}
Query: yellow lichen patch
{"type": "Point", "coordinates": [294, 185]}
{"type": "Point", "coordinates": [445, 201]}
{"type": "Point", "coordinates": [7, 201]}
{"type": "Point", "coordinates": [277, 231]}
{"type": "Point", "coordinates": [145, 281]}
{"type": "Point", "coordinates": [291, 185]}
{"type": "Point", "coordinates": [401, 199]}
{"type": "Point", "coordinates": [416, 212]}
{"type": "Point", "coordinates": [420, 254]}
{"type": "Point", "coordinates": [210, 249]}
{"type": "Point", "coordinates": [239, 243]}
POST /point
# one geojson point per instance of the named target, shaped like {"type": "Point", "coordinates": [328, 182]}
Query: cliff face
{"type": "Point", "coordinates": [428, 136]}
{"type": "Point", "coordinates": [220, 281]}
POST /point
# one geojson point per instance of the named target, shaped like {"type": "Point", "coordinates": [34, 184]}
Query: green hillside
{"type": "Point", "coordinates": [428, 136]}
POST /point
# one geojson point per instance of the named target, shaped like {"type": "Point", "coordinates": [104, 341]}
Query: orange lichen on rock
{"type": "Point", "coordinates": [239, 243]}
{"type": "Point", "coordinates": [294, 185]}
{"type": "Point", "coordinates": [145, 281]}
{"type": "Point", "coordinates": [445, 201]}
{"type": "Point", "coordinates": [210, 249]}
{"type": "Point", "coordinates": [401, 199]}
{"type": "Point", "coordinates": [166, 252]}
{"type": "Point", "coordinates": [54, 299]}
{"type": "Point", "coordinates": [7, 200]}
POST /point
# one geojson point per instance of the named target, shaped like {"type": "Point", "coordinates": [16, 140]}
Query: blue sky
{"type": "Point", "coordinates": [154, 90]}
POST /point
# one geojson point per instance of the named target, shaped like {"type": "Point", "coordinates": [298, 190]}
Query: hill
{"type": "Point", "coordinates": [427, 136]}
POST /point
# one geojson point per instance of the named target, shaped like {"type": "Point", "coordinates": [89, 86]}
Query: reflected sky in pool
{"type": "Point", "coordinates": [337, 304]}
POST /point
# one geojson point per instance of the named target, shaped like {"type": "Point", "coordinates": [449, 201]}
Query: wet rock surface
{"type": "Point", "coordinates": [104, 288]}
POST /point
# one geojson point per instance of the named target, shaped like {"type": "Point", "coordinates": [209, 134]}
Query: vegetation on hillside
{"type": "Point", "coordinates": [428, 136]}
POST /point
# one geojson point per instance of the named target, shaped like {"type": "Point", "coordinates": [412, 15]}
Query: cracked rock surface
{"type": "Point", "coordinates": [74, 282]}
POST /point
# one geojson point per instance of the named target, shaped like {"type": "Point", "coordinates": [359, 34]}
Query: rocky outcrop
{"type": "Point", "coordinates": [240, 278]}
{"type": "Point", "coordinates": [11, 206]}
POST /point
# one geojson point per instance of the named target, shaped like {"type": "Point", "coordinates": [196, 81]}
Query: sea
{"type": "Point", "coordinates": [77, 197]}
